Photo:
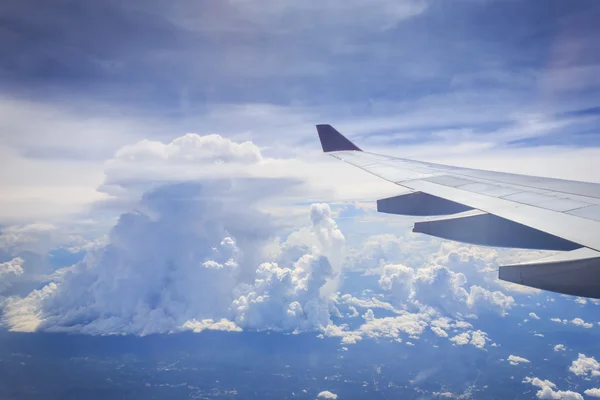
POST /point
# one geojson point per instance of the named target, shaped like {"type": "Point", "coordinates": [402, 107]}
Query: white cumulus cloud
{"type": "Point", "coordinates": [585, 366]}
{"type": "Point", "coordinates": [478, 339]}
{"type": "Point", "coordinates": [439, 331]}
{"type": "Point", "coordinates": [575, 321]}
{"type": "Point", "coordinates": [188, 261]}
{"type": "Point", "coordinates": [190, 148]}
{"type": "Point", "coordinates": [391, 327]}
{"type": "Point", "coordinates": [438, 286]}
{"type": "Point", "coordinates": [533, 315]}
{"type": "Point", "coordinates": [516, 360]}
{"type": "Point", "coordinates": [9, 272]}
{"type": "Point", "coordinates": [582, 323]}
{"type": "Point", "coordinates": [398, 280]}
{"type": "Point", "coordinates": [560, 347]}
{"type": "Point", "coordinates": [547, 390]}
{"type": "Point", "coordinates": [594, 392]}
{"type": "Point", "coordinates": [461, 339]}
{"type": "Point", "coordinates": [326, 394]}
{"type": "Point", "coordinates": [221, 325]}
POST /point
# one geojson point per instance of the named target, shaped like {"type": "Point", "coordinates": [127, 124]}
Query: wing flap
{"type": "Point", "coordinates": [574, 229]}
{"type": "Point", "coordinates": [419, 204]}
{"type": "Point", "coordinates": [484, 229]}
{"type": "Point", "coordinates": [575, 272]}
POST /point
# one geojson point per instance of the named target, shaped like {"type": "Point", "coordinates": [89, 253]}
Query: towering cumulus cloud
{"type": "Point", "coordinates": [438, 286]}
{"type": "Point", "coordinates": [296, 296]}
{"type": "Point", "coordinates": [174, 261]}
{"type": "Point", "coordinates": [191, 255]}
{"type": "Point", "coordinates": [179, 262]}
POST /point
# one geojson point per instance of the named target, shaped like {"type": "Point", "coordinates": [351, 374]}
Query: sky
{"type": "Point", "coordinates": [162, 173]}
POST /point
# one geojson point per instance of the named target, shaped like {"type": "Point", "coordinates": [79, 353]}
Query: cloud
{"type": "Point", "coordinates": [575, 321]}
{"type": "Point", "coordinates": [439, 331]}
{"type": "Point", "coordinates": [580, 300]}
{"type": "Point", "coordinates": [438, 286]}
{"type": "Point", "coordinates": [560, 347]}
{"type": "Point", "coordinates": [331, 16]}
{"type": "Point", "coordinates": [147, 164]}
{"type": "Point", "coordinates": [382, 13]}
{"type": "Point", "coordinates": [373, 302]}
{"type": "Point", "coordinates": [190, 149]}
{"type": "Point", "coordinates": [188, 257]}
{"type": "Point", "coordinates": [351, 338]}
{"type": "Point", "coordinates": [447, 323]}
{"type": "Point", "coordinates": [448, 395]}
{"type": "Point", "coordinates": [585, 366]}
{"type": "Point", "coordinates": [369, 315]}
{"type": "Point", "coordinates": [381, 249]}
{"type": "Point", "coordinates": [594, 392]}
{"type": "Point", "coordinates": [29, 237]}
{"type": "Point", "coordinates": [326, 394]}
{"type": "Point", "coordinates": [478, 339]}
{"type": "Point", "coordinates": [462, 324]}
{"type": "Point", "coordinates": [582, 323]}
{"type": "Point", "coordinates": [9, 272]}
{"type": "Point", "coordinates": [547, 390]}
{"type": "Point", "coordinates": [391, 327]}
{"type": "Point", "coordinates": [458, 273]}
{"type": "Point", "coordinates": [353, 312]}
{"type": "Point", "coordinates": [190, 157]}
{"type": "Point", "coordinates": [427, 293]}
{"type": "Point", "coordinates": [23, 314]}
{"type": "Point", "coordinates": [411, 324]}
{"type": "Point", "coordinates": [296, 297]}
{"type": "Point", "coordinates": [398, 280]}
{"type": "Point", "coordinates": [533, 315]}
{"type": "Point", "coordinates": [331, 242]}
{"type": "Point", "coordinates": [496, 299]}
{"type": "Point", "coordinates": [185, 158]}
{"type": "Point", "coordinates": [516, 360]}
{"type": "Point", "coordinates": [461, 339]}
{"type": "Point", "coordinates": [285, 299]}
{"type": "Point", "coordinates": [221, 325]}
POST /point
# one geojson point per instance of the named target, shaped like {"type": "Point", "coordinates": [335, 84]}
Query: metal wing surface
{"type": "Point", "coordinates": [495, 209]}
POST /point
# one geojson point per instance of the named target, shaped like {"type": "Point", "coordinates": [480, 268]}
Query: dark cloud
{"type": "Point", "coordinates": [162, 53]}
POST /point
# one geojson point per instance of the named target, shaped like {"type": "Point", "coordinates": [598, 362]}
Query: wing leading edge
{"type": "Point", "coordinates": [495, 209]}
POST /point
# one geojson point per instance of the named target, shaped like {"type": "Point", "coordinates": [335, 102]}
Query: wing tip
{"type": "Point", "coordinates": [332, 140]}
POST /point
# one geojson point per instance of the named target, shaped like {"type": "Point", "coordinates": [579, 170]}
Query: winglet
{"type": "Point", "coordinates": [332, 140]}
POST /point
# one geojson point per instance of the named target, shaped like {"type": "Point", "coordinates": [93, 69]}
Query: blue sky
{"type": "Point", "coordinates": [161, 171]}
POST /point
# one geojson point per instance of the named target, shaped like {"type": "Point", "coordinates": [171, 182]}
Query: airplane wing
{"type": "Point", "coordinates": [495, 209]}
